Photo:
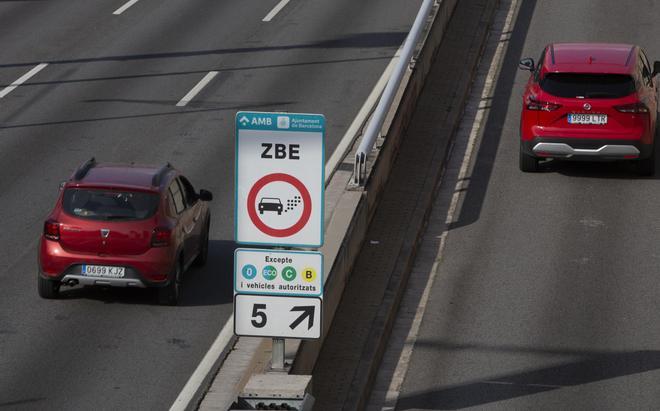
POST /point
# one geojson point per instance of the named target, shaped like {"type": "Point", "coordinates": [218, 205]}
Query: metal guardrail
{"type": "Point", "coordinates": [376, 123]}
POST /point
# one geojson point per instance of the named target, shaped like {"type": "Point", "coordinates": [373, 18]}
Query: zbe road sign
{"type": "Point", "coordinates": [279, 179]}
{"type": "Point", "coordinates": [276, 316]}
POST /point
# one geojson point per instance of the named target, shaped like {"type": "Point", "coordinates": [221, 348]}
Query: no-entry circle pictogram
{"type": "Point", "coordinates": [279, 232]}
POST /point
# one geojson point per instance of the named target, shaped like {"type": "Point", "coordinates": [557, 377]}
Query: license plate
{"type": "Point", "coordinates": [103, 271]}
{"type": "Point", "coordinates": [587, 118]}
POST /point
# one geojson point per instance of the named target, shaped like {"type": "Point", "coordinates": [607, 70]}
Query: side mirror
{"type": "Point", "coordinates": [62, 184]}
{"type": "Point", "coordinates": [656, 68]}
{"type": "Point", "coordinates": [526, 64]}
{"type": "Point", "coordinates": [205, 195]}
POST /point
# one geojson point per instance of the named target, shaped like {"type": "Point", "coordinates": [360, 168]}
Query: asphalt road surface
{"type": "Point", "coordinates": [548, 293]}
{"type": "Point", "coordinates": [110, 89]}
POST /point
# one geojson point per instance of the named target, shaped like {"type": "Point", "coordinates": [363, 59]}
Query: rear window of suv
{"type": "Point", "coordinates": [109, 204]}
{"type": "Point", "coordinates": [588, 85]}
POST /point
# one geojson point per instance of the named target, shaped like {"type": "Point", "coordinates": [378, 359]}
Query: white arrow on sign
{"type": "Point", "coordinates": [277, 316]}
{"type": "Point", "coordinates": [244, 120]}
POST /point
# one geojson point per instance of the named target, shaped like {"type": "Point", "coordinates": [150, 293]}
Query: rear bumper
{"type": "Point", "coordinates": [587, 149]}
{"type": "Point", "coordinates": [151, 269]}
{"type": "Point", "coordinates": [111, 282]}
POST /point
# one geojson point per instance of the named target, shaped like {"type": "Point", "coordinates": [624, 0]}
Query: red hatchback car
{"type": "Point", "coordinates": [589, 101]}
{"type": "Point", "coordinates": [124, 225]}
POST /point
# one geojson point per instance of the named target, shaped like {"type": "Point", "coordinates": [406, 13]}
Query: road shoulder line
{"type": "Point", "coordinates": [351, 354]}
{"type": "Point", "coordinates": [397, 357]}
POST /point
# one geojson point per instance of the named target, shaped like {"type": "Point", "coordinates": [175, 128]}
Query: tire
{"type": "Point", "coordinates": [49, 289]}
{"type": "Point", "coordinates": [169, 294]}
{"type": "Point", "coordinates": [646, 166]}
{"type": "Point", "coordinates": [203, 255]}
{"type": "Point", "coordinates": [528, 164]}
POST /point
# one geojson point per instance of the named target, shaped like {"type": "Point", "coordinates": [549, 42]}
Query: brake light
{"type": "Point", "coordinates": [635, 108]}
{"type": "Point", "coordinates": [533, 104]}
{"type": "Point", "coordinates": [52, 230]}
{"type": "Point", "coordinates": [161, 237]}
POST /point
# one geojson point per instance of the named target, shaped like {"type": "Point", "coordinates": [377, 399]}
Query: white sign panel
{"type": "Point", "coordinates": [279, 179]}
{"type": "Point", "coordinates": [277, 316]}
{"type": "Point", "coordinates": [292, 273]}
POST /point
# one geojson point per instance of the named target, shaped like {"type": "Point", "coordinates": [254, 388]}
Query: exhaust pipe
{"type": "Point", "coordinates": [72, 282]}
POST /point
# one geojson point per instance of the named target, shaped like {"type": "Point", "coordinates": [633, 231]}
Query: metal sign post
{"type": "Point", "coordinates": [277, 362]}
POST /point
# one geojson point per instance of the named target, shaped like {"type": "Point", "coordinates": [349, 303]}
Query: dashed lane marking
{"type": "Point", "coordinates": [25, 77]}
{"type": "Point", "coordinates": [275, 10]}
{"type": "Point", "coordinates": [123, 8]}
{"type": "Point", "coordinates": [195, 90]}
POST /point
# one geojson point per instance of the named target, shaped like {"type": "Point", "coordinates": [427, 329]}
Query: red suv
{"type": "Point", "coordinates": [124, 225]}
{"type": "Point", "coordinates": [589, 101]}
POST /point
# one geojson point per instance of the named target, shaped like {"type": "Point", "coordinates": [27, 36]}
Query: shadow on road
{"type": "Point", "coordinates": [356, 40]}
{"type": "Point", "coordinates": [622, 170]}
{"type": "Point", "coordinates": [208, 285]}
{"type": "Point", "coordinates": [592, 367]}
{"type": "Point", "coordinates": [499, 107]}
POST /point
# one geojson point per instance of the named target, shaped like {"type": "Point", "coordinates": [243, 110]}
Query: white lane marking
{"type": "Point", "coordinates": [393, 389]}
{"type": "Point", "coordinates": [25, 77]}
{"type": "Point", "coordinates": [123, 8]}
{"type": "Point", "coordinates": [195, 90]}
{"type": "Point", "coordinates": [276, 10]}
{"type": "Point", "coordinates": [204, 368]}
{"type": "Point", "coordinates": [361, 118]}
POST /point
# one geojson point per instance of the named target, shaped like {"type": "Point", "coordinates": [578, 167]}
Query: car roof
{"type": "Point", "coordinates": [607, 58]}
{"type": "Point", "coordinates": [118, 175]}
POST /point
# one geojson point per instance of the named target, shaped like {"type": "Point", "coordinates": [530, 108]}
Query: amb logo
{"type": "Point", "coordinates": [256, 121]}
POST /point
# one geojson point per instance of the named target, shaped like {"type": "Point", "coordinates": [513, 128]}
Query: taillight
{"type": "Point", "coordinates": [533, 104]}
{"type": "Point", "coordinates": [161, 237]}
{"type": "Point", "coordinates": [635, 108]}
{"type": "Point", "coordinates": [52, 230]}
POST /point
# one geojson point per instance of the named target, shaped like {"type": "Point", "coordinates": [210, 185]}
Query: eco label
{"type": "Point", "coordinates": [292, 273]}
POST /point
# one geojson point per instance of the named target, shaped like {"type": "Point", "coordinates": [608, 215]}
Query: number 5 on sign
{"type": "Point", "coordinates": [277, 316]}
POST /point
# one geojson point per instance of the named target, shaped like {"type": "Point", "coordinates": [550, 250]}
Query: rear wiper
{"type": "Point", "coordinates": [115, 217]}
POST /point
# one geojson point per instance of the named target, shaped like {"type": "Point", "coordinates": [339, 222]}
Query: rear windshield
{"type": "Point", "coordinates": [588, 85]}
{"type": "Point", "coordinates": [109, 204]}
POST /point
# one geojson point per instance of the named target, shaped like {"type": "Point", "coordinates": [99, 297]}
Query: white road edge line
{"type": "Point", "coordinates": [360, 119]}
{"type": "Point", "coordinates": [124, 7]}
{"type": "Point", "coordinates": [25, 77]}
{"type": "Point", "coordinates": [401, 369]}
{"type": "Point", "coordinates": [204, 368]}
{"type": "Point", "coordinates": [275, 10]}
{"type": "Point", "coordinates": [198, 87]}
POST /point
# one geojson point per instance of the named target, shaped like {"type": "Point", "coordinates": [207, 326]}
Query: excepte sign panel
{"type": "Point", "coordinates": [292, 273]}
